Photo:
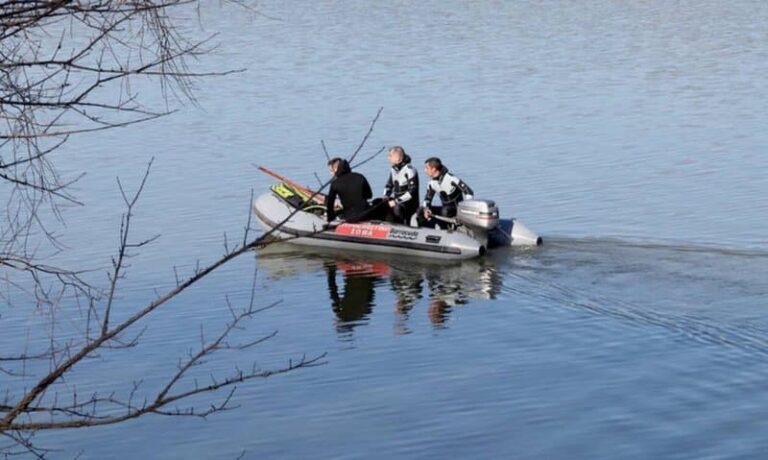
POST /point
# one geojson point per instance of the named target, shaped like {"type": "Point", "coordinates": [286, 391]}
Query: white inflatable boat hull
{"type": "Point", "coordinates": [307, 229]}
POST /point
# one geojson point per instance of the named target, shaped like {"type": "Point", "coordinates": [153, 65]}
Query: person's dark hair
{"type": "Point", "coordinates": [434, 162]}
{"type": "Point", "coordinates": [340, 165]}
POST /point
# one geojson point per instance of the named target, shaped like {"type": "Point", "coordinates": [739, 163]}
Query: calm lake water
{"type": "Point", "coordinates": [631, 135]}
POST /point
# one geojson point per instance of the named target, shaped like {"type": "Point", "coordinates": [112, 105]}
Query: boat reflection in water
{"type": "Point", "coordinates": [353, 280]}
{"type": "Point", "coordinates": [353, 305]}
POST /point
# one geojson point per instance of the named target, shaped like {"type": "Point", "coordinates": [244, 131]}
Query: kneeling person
{"type": "Point", "coordinates": [352, 189]}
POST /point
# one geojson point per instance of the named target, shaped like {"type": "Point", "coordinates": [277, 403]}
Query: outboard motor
{"type": "Point", "coordinates": [478, 217]}
{"type": "Point", "coordinates": [478, 214]}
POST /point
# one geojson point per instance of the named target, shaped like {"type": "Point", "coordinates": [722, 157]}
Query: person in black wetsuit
{"type": "Point", "coordinates": [352, 189]}
{"type": "Point", "coordinates": [450, 188]}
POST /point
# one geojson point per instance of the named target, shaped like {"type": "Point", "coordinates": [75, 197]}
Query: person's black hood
{"type": "Point", "coordinates": [343, 168]}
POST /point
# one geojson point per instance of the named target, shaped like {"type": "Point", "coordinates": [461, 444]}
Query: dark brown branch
{"type": "Point", "coordinates": [379, 152]}
{"type": "Point", "coordinates": [365, 138]}
{"type": "Point", "coordinates": [124, 230]}
{"type": "Point", "coordinates": [33, 394]}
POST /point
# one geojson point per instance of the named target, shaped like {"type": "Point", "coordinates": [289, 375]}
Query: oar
{"type": "Point", "coordinates": [318, 197]}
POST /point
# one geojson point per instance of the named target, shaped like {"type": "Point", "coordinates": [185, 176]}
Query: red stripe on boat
{"type": "Point", "coordinates": [378, 232]}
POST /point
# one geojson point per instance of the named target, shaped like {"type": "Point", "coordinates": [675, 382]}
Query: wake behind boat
{"type": "Point", "coordinates": [476, 228]}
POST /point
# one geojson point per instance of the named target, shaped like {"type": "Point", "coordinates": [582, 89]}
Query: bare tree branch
{"type": "Point", "coordinates": [124, 245]}
{"type": "Point", "coordinates": [75, 415]}
{"type": "Point", "coordinates": [365, 138]}
{"type": "Point", "coordinates": [69, 67]}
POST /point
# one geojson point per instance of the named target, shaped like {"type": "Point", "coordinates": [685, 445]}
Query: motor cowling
{"type": "Point", "coordinates": [478, 213]}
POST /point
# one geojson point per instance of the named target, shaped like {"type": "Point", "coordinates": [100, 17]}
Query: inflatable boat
{"type": "Point", "coordinates": [292, 216]}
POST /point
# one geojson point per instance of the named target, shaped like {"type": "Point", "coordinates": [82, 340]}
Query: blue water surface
{"type": "Point", "coordinates": [632, 136]}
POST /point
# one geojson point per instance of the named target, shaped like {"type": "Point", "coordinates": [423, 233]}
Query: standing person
{"type": "Point", "coordinates": [352, 189]}
{"type": "Point", "coordinates": [402, 189]}
{"type": "Point", "coordinates": [450, 188]}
